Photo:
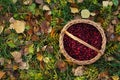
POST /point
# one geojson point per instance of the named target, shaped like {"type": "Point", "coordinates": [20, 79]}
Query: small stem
{"type": "Point", "coordinates": [81, 41]}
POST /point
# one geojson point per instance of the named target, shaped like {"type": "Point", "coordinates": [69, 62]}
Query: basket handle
{"type": "Point", "coordinates": [81, 41]}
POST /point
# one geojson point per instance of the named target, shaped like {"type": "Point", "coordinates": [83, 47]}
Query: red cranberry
{"type": "Point", "coordinates": [87, 33]}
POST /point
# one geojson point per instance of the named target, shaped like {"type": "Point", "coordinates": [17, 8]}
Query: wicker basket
{"type": "Point", "coordinates": [84, 62]}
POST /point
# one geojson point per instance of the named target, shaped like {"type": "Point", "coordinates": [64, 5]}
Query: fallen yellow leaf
{"type": "Point", "coordinates": [39, 57]}
{"type": "Point", "coordinates": [46, 8]}
{"type": "Point", "coordinates": [48, 1]}
{"type": "Point", "coordinates": [85, 13]}
{"type": "Point", "coordinates": [52, 33]}
{"type": "Point", "coordinates": [15, 67]}
{"type": "Point", "coordinates": [2, 74]}
{"type": "Point", "coordinates": [116, 77]}
{"type": "Point", "coordinates": [74, 10]}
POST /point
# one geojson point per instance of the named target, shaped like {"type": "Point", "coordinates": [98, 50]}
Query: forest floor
{"type": "Point", "coordinates": [29, 39]}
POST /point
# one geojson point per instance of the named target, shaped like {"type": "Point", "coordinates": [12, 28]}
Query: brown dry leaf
{"type": "Point", "coordinates": [30, 32]}
{"type": "Point", "coordinates": [2, 74]}
{"type": "Point", "coordinates": [52, 34]}
{"type": "Point", "coordinates": [100, 20]}
{"type": "Point", "coordinates": [104, 75]}
{"type": "Point", "coordinates": [79, 71]}
{"type": "Point", "coordinates": [45, 27]}
{"type": "Point", "coordinates": [23, 65]}
{"type": "Point", "coordinates": [110, 29]}
{"type": "Point", "coordinates": [116, 77]}
{"type": "Point", "coordinates": [1, 7]}
{"type": "Point", "coordinates": [19, 26]}
{"type": "Point", "coordinates": [48, 16]}
{"type": "Point", "coordinates": [34, 38]}
{"type": "Point", "coordinates": [42, 65]}
{"type": "Point", "coordinates": [39, 57]}
{"type": "Point", "coordinates": [17, 56]}
{"type": "Point", "coordinates": [61, 65]}
{"type": "Point", "coordinates": [39, 1]}
{"type": "Point", "coordinates": [74, 10]}
{"type": "Point", "coordinates": [44, 48]}
{"type": "Point", "coordinates": [118, 38]}
{"type": "Point", "coordinates": [36, 29]}
{"type": "Point", "coordinates": [114, 22]}
{"type": "Point", "coordinates": [49, 49]}
{"type": "Point", "coordinates": [28, 16]}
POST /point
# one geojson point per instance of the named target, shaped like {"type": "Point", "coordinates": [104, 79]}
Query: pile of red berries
{"type": "Point", "coordinates": [87, 33]}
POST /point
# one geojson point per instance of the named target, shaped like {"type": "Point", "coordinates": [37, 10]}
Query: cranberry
{"type": "Point", "coordinates": [87, 33]}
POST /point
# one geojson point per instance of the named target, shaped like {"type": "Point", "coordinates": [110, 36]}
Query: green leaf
{"type": "Point", "coordinates": [31, 49]}
{"type": "Point", "coordinates": [118, 29]}
{"type": "Point", "coordinates": [32, 8]}
{"type": "Point", "coordinates": [11, 44]}
{"type": "Point", "coordinates": [119, 15]}
{"type": "Point", "coordinates": [115, 2]}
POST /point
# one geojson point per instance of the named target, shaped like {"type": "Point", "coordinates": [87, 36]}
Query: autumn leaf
{"type": "Point", "coordinates": [23, 65]}
{"type": "Point", "coordinates": [42, 65]}
{"type": "Point", "coordinates": [116, 77]}
{"type": "Point", "coordinates": [105, 3]}
{"type": "Point", "coordinates": [11, 44]}
{"type": "Point", "coordinates": [52, 34]}
{"type": "Point", "coordinates": [15, 67]}
{"type": "Point", "coordinates": [46, 7]}
{"type": "Point", "coordinates": [1, 29]}
{"type": "Point", "coordinates": [61, 65]}
{"type": "Point", "coordinates": [46, 59]}
{"type": "Point", "coordinates": [48, 1]}
{"type": "Point", "coordinates": [31, 49]}
{"type": "Point", "coordinates": [39, 57]}
{"type": "Point", "coordinates": [85, 13]}
{"type": "Point", "coordinates": [2, 74]}
{"type": "Point", "coordinates": [34, 38]}
{"type": "Point", "coordinates": [48, 16]}
{"type": "Point", "coordinates": [79, 71]}
{"type": "Point", "coordinates": [74, 10]}
{"type": "Point", "coordinates": [17, 56]}
{"type": "Point", "coordinates": [18, 26]}
{"type": "Point", "coordinates": [2, 60]}
{"type": "Point", "coordinates": [71, 1]}
{"type": "Point", "coordinates": [80, 1]}
{"type": "Point", "coordinates": [27, 2]}
{"type": "Point", "coordinates": [103, 74]}
{"type": "Point", "coordinates": [45, 27]}
{"type": "Point", "coordinates": [39, 1]}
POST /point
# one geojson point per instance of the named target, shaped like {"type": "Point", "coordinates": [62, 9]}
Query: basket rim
{"type": "Point", "coordinates": [84, 62]}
